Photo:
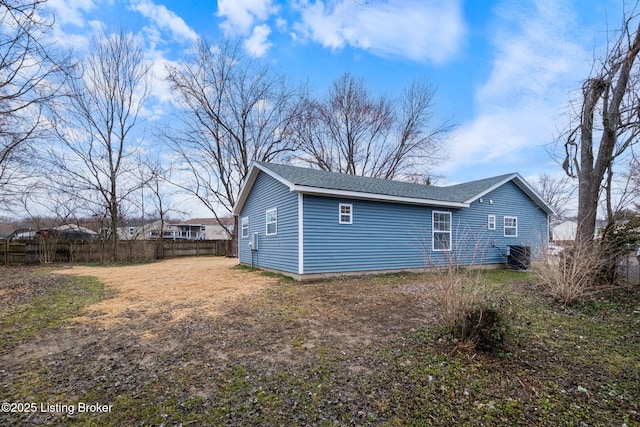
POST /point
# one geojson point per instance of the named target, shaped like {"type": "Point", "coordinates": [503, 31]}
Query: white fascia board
{"type": "Point", "coordinates": [251, 179]}
{"type": "Point", "coordinates": [244, 192]}
{"type": "Point", "coordinates": [523, 185]}
{"type": "Point", "coordinates": [274, 175]}
{"type": "Point", "coordinates": [374, 196]}
{"type": "Point", "coordinates": [490, 189]}
{"type": "Point", "coordinates": [531, 192]}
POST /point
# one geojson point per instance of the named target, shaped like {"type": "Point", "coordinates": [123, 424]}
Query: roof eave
{"type": "Point", "coordinates": [523, 185]}
{"type": "Point", "coordinates": [254, 168]}
{"type": "Point", "coordinates": [246, 188]}
{"type": "Point", "coordinates": [375, 197]}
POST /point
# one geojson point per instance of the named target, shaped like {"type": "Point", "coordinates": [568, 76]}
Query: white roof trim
{"type": "Point", "coordinates": [274, 175]}
{"type": "Point", "coordinates": [255, 167]}
{"type": "Point", "coordinates": [523, 185]}
{"type": "Point", "coordinates": [251, 179]}
{"type": "Point", "coordinates": [490, 189]}
{"type": "Point", "coordinates": [374, 196]}
{"type": "Point", "coordinates": [244, 191]}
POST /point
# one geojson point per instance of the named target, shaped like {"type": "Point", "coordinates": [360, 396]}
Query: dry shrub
{"type": "Point", "coordinates": [466, 310]}
{"type": "Point", "coordinates": [456, 294]}
{"type": "Point", "coordinates": [572, 275]}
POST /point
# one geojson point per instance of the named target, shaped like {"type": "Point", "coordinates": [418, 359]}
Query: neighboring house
{"type": "Point", "coordinates": [192, 229]}
{"type": "Point", "coordinates": [61, 232]}
{"type": "Point", "coordinates": [309, 223]}
{"type": "Point", "coordinates": [212, 228]}
{"type": "Point", "coordinates": [565, 232]}
{"type": "Point", "coordinates": [136, 229]}
{"type": "Point", "coordinates": [23, 234]}
{"type": "Point", "coordinates": [69, 232]}
{"type": "Point", "coordinates": [151, 229]}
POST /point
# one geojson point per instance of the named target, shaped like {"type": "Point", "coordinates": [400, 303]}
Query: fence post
{"type": "Point", "coordinates": [6, 252]}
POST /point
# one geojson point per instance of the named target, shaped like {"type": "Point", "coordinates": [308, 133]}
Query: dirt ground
{"type": "Point", "coordinates": [176, 325]}
{"type": "Point", "coordinates": [204, 309]}
{"type": "Point", "coordinates": [194, 339]}
{"type": "Point", "coordinates": [178, 288]}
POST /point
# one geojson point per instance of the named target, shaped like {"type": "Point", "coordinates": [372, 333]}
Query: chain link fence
{"type": "Point", "coordinates": [629, 269]}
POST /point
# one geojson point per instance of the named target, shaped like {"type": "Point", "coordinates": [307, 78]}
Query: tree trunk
{"type": "Point", "coordinates": [587, 211]}
{"type": "Point", "coordinates": [114, 231]}
{"type": "Point", "coordinates": [610, 96]}
{"type": "Point", "coordinates": [234, 238]}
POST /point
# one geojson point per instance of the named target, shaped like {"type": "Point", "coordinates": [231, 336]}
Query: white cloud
{"type": "Point", "coordinates": [240, 15]}
{"type": "Point", "coordinates": [538, 57]}
{"type": "Point", "coordinates": [498, 137]}
{"type": "Point", "coordinates": [281, 24]}
{"type": "Point", "coordinates": [257, 44]}
{"type": "Point", "coordinates": [71, 11]}
{"type": "Point", "coordinates": [161, 88]}
{"type": "Point", "coordinates": [537, 62]}
{"type": "Point", "coordinates": [413, 29]}
{"type": "Point", "coordinates": [165, 19]}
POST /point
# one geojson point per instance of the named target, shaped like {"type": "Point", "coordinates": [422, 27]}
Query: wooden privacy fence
{"type": "Point", "coordinates": [36, 252]}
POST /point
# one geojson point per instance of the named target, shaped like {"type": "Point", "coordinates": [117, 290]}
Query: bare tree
{"type": "Point", "coordinates": [96, 126]}
{"type": "Point", "coordinates": [621, 190]}
{"type": "Point", "coordinates": [633, 178]}
{"type": "Point", "coordinates": [155, 201]}
{"type": "Point", "coordinates": [607, 122]}
{"type": "Point", "coordinates": [32, 71]}
{"type": "Point", "coordinates": [234, 111]}
{"type": "Point", "coordinates": [353, 132]}
{"type": "Point", "coordinates": [557, 191]}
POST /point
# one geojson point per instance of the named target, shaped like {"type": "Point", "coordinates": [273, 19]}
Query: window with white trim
{"type": "Point", "coordinates": [441, 231]}
{"type": "Point", "coordinates": [244, 226]}
{"type": "Point", "coordinates": [271, 222]}
{"type": "Point", "coordinates": [510, 226]}
{"type": "Point", "coordinates": [345, 214]}
{"type": "Point", "coordinates": [491, 222]}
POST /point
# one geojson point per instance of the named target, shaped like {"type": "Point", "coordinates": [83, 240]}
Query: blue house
{"type": "Point", "coordinates": [309, 223]}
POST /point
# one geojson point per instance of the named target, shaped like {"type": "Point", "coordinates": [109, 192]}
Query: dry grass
{"type": "Point", "coordinates": [353, 351]}
{"type": "Point", "coordinates": [457, 293]}
{"type": "Point", "coordinates": [570, 276]}
{"type": "Point", "coordinates": [182, 286]}
{"type": "Point", "coordinates": [468, 309]}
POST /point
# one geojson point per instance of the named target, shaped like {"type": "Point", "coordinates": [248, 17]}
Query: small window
{"type": "Point", "coordinates": [510, 226]}
{"type": "Point", "coordinates": [441, 231]}
{"type": "Point", "coordinates": [491, 222]}
{"type": "Point", "coordinates": [244, 226]}
{"type": "Point", "coordinates": [272, 222]}
{"type": "Point", "coordinates": [346, 214]}
{"type": "Point", "coordinates": [131, 231]}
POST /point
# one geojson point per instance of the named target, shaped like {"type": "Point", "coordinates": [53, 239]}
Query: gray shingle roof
{"type": "Point", "coordinates": [459, 193]}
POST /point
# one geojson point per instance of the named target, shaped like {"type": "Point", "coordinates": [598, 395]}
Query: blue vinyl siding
{"type": "Point", "coordinates": [279, 251]}
{"type": "Point", "coordinates": [388, 236]}
{"type": "Point", "coordinates": [381, 236]}
{"type": "Point", "coordinates": [478, 245]}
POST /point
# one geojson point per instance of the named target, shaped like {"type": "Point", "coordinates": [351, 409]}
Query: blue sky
{"type": "Point", "coordinates": [504, 70]}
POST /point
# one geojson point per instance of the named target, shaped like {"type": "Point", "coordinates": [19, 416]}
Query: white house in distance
{"type": "Point", "coordinates": [192, 229]}
{"type": "Point", "coordinates": [211, 228]}
{"type": "Point", "coordinates": [565, 232]}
